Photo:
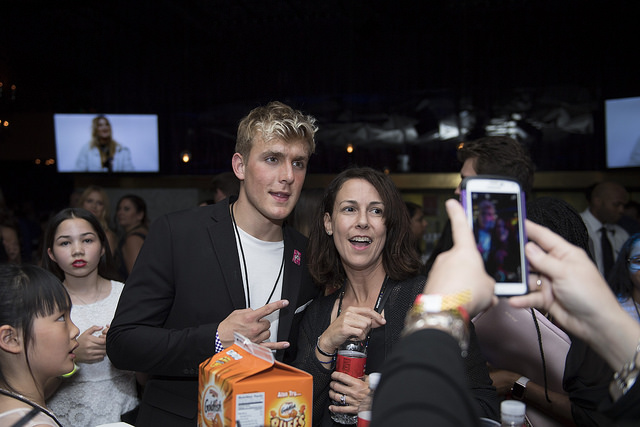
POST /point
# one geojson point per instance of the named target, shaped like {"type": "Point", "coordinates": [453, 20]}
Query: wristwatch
{"type": "Point", "coordinates": [519, 387]}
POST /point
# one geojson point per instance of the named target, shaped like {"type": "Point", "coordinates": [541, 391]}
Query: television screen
{"type": "Point", "coordinates": [106, 142]}
{"type": "Point", "coordinates": [622, 124]}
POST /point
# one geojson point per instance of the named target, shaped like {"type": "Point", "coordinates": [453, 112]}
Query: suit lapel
{"type": "Point", "coordinates": [224, 244]}
{"type": "Point", "coordinates": [293, 263]}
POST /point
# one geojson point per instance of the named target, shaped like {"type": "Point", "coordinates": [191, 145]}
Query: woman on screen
{"type": "Point", "coordinates": [103, 154]}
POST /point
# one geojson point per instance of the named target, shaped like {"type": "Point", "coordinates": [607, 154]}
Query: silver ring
{"type": "Point", "coordinates": [539, 282]}
{"type": "Point", "coordinates": [343, 399]}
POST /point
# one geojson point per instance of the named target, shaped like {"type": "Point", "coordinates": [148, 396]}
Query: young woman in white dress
{"type": "Point", "coordinates": [77, 251]}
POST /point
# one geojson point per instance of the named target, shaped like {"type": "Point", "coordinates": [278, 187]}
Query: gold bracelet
{"type": "Point", "coordinates": [427, 313]}
{"type": "Point", "coordinates": [625, 378]}
{"type": "Point", "coordinates": [435, 303]}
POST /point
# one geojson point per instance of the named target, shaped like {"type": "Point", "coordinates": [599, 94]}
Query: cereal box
{"type": "Point", "coordinates": [244, 386]}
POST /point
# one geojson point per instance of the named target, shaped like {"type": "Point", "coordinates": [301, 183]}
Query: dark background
{"type": "Point", "coordinates": [201, 65]}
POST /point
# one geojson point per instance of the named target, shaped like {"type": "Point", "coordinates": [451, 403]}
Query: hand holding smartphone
{"type": "Point", "coordinates": [495, 208]}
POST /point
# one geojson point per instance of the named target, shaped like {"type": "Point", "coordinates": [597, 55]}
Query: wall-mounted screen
{"type": "Point", "coordinates": [111, 143]}
{"type": "Point", "coordinates": [622, 125]}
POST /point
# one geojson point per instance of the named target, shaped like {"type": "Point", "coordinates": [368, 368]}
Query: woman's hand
{"type": "Point", "coordinates": [91, 349]}
{"type": "Point", "coordinates": [353, 389]}
{"type": "Point", "coordinates": [568, 284]}
{"type": "Point", "coordinates": [503, 380]}
{"type": "Point", "coordinates": [461, 268]}
{"type": "Point", "coordinates": [353, 322]}
{"type": "Point", "coordinates": [570, 287]}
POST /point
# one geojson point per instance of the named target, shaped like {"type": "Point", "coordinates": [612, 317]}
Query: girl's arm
{"type": "Point", "coordinates": [130, 250]}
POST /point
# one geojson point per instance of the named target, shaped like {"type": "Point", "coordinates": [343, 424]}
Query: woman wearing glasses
{"type": "Point", "coordinates": [624, 278]}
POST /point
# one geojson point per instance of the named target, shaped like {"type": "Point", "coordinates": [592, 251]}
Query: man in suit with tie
{"type": "Point", "coordinates": [208, 272]}
{"type": "Point", "coordinates": [606, 205]}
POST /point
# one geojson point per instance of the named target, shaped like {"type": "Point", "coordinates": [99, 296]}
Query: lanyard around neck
{"type": "Point", "coordinates": [378, 307]}
{"type": "Point", "coordinates": [244, 263]}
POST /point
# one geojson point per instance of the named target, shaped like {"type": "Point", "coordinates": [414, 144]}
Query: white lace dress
{"type": "Point", "coordinates": [97, 393]}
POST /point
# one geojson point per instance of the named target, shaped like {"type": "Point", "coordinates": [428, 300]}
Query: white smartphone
{"type": "Point", "coordinates": [495, 208]}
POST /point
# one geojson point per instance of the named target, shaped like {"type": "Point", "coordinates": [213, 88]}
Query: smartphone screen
{"type": "Point", "coordinates": [495, 209]}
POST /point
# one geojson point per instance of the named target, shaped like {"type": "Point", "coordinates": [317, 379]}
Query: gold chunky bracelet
{"type": "Point", "coordinates": [435, 303]}
{"type": "Point", "coordinates": [429, 312]}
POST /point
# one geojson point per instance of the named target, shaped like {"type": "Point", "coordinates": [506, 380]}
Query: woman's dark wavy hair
{"type": "Point", "coordinates": [399, 257]}
{"type": "Point", "coordinates": [619, 278]}
{"type": "Point", "coordinates": [561, 218]}
{"type": "Point", "coordinates": [27, 292]}
{"type": "Point", "coordinates": [105, 266]}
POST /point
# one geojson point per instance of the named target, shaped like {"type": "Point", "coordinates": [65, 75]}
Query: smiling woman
{"type": "Point", "coordinates": [360, 245]}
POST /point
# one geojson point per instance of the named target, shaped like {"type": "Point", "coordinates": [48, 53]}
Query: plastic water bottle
{"type": "Point", "coordinates": [364, 410]}
{"type": "Point", "coordinates": [512, 413]}
{"type": "Point", "coordinates": [352, 360]}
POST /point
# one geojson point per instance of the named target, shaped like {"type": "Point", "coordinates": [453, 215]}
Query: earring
{"type": "Point", "coordinates": [329, 233]}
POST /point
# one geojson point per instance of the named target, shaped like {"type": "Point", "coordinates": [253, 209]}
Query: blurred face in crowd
{"type": "Point", "coordinates": [608, 206]}
{"type": "Point", "coordinates": [127, 215]}
{"type": "Point", "coordinates": [634, 265]}
{"type": "Point", "coordinates": [94, 203]}
{"type": "Point", "coordinates": [418, 224]}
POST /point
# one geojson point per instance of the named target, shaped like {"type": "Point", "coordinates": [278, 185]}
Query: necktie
{"type": "Point", "coordinates": [607, 252]}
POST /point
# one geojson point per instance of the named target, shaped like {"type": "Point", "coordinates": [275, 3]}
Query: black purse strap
{"type": "Point", "coordinates": [26, 418]}
{"type": "Point", "coordinates": [32, 413]}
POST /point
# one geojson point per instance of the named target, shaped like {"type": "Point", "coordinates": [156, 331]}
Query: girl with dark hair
{"type": "Point", "coordinates": [37, 340]}
{"type": "Point", "coordinates": [77, 251]}
{"type": "Point", "coordinates": [624, 278]}
{"type": "Point", "coordinates": [361, 253]}
{"type": "Point", "coordinates": [131, 216]}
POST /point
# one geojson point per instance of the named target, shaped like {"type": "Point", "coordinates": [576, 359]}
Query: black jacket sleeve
{"type": "Point", "coordinates": [586, 378]}
{"type": "Point", "coordinates": [423, 383]}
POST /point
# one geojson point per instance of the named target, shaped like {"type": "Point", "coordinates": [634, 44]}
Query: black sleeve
{"type": "Point", "coordinates": [626, 410]}
{"type": "Point", "coordinates": [139, 339]}
{"type": "Point", "coordinates": [586, 379]}
{"type": "Point", "coordinates": [485, 395]}
{"type": "Point", "coordinates": [423, 383]}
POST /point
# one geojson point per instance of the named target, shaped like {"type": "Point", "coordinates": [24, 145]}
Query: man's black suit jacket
{"type": "Point", "coordinates": [186, 280]}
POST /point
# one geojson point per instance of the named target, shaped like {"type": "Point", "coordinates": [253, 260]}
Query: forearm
{"type": "Point", "coordinates": [159, 351]}
{"type": "Point", "coordinates": [130, 251]}
{"type": "Point", "coordinates": [617, 343]}
{"type": "Point", "coordinates": [558, 406]}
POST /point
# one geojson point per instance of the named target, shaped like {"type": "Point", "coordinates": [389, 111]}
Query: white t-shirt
{"type": "Point", "coordinates": [264, 267]}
